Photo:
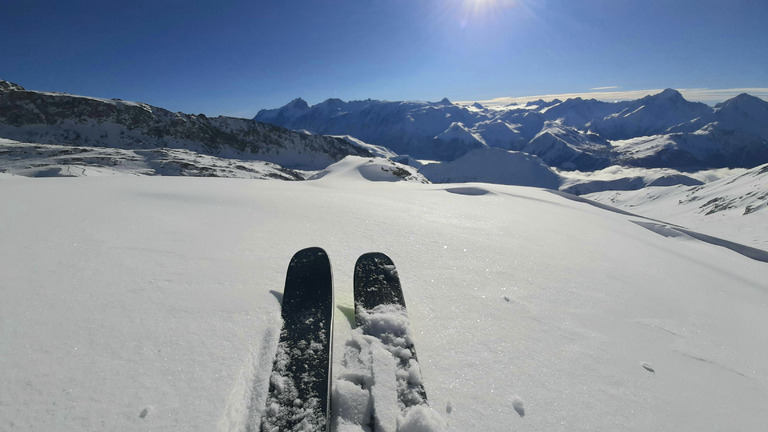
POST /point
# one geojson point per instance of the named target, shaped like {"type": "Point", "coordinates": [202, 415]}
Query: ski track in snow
{"type": "Point", "coordinates": [380, 387]}
{"type": "Point", "coordinates": [247, 400]}
{"type": "Point", "coordinates": [674, 231]}
{"type": "Point", "coordinates": [679, 232]}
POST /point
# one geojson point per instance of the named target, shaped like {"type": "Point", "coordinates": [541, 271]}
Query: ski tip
{"type": "Point", "coordinates": [308, 280]}
{"type": "Point", "coordinates": [378, 258]}
{"type": "Point", "coordinates": [376, 281]}
{"type": "Point", "coordinates": [310, 252]}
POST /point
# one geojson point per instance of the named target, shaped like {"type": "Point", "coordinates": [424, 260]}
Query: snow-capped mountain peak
{"type": "Point", "coordinates": [6, 86]}
{"type": "Point", "coordinates": [457, 131]}
{"type": "Point", "coordinates": [745, 106]}
{"type": "Point", "coordinates": [421, 129]}
{"type": "Point", "coordinates": [298, 104]}
{"type": "Point", "coordinates": [668, 94]}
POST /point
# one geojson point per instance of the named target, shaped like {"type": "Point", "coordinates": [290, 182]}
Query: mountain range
{"type": "Point", "coordinates": [538, 144]}
{"type": "Point", "coordinates": [661, 130]}
{"type": "Point", "coordinates": [60, 118]}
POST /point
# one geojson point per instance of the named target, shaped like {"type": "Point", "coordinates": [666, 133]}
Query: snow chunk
{"type": "Point", "coordinates": [352, 403]}
{"type": "Point", "coordinates": [421, 418]}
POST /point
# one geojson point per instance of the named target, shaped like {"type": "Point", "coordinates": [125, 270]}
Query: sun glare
{"type": "Point", "coordinates": [474, 11]}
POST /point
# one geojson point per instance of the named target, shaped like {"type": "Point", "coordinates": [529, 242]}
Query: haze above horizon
{"type": "Point", "coordinates": [236, 57]}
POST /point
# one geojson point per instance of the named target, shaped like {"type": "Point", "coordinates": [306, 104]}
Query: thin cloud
{"type": "Point", "coordinates": [709, 96]}
{"type": "Point", "coordinates": [605, 88]}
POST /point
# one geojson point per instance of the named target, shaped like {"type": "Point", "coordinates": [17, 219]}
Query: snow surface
{"type": "Point", "coordinates": [379, 359]}
{"type": "Point", "coordinates": [52, 160]}
{"type": "Point", "coordinates": [493, 165]}
{"type": "Point", "coordinates": [734, 207]}
{"type": "Point", "coordinates": [151, 303]}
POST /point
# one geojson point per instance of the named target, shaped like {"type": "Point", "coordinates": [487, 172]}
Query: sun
{"type": "Point", "coordinates": [485, 10]}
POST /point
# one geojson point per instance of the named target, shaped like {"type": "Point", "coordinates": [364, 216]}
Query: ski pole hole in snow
{"type": "Point", "coordinates": [518, 405]}
{"type": "Point", "coordinates": [469, 190]}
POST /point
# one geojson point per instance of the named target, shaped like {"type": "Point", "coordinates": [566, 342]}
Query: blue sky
{"type": "Point", "coordinates": [236, 57]}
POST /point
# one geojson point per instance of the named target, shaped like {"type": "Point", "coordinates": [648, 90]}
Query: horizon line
{"type": "Point", "coordinates": [708, 96]}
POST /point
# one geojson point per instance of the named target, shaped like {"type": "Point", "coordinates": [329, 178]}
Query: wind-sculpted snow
{"type": "Point", "coordinates": [677, 232]}
{"type": "Point", "coordinates": [571, 134]}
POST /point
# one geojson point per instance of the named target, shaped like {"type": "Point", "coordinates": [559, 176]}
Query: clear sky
{"type": "Point", "coordinates": [236, 57]}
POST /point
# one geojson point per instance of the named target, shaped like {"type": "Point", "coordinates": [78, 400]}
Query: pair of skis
{"type": "Point", "coordinates": [300, 383]}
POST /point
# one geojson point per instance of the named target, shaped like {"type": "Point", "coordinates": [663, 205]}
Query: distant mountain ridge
{"type": "Point", "coordinates": [59, 118]}
{"type": "Point", "coordinates": [661, 130]}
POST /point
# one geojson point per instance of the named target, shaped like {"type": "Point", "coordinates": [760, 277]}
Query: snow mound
{"type": "Point", "coordinates": [491, 165]}
{"type": "Point", "coordinates": [354, 168]}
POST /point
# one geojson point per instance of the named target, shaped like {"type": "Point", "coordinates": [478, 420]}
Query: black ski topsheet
{"type": "Point", "coordinates": [299, 386]}
{"type": "Point", "coordinates": [376, 282]}
{"type": "Point", "coordinates": [378, 295]}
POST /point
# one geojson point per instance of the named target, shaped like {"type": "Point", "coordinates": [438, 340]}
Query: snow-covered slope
{"type": "Point", "coordinates": [151, 303]}
{"type": "Point", "coordinates": [497, 133]}
{"type": "Point", "coordinates": [650, 115]}
{"type": "Point", "coordinates": [50, 160]}
{"type": "Point", "coordinates": [492, 165]}
{"type": "Point", "coordinates": [562, 146]}
{"type": "Point", "coordinates": [375, 150]}
{"type": "Point", "coordinates": [735, 207]}
{"type": "Point", "coordinates": [58, 118]}
{"type": "Point", "coordinates": [617, 178]}
{"type": "Point", "coordinates": [734, 134]}
{"type": "Point", "coordinates": [456, 141]}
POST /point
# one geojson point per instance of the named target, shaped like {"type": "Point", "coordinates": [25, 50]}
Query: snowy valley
{"type": "Point", "coordinates": [568, 265]}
